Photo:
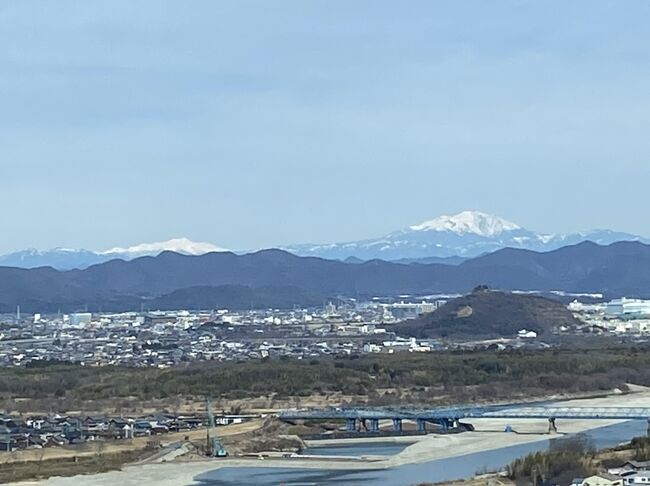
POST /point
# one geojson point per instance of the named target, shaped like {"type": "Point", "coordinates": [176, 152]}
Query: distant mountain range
{"type": "Point", "coordinates": [67, 259]}
{"type": "Point", "coordinates": [620, 269]}
{"type": "Point", "coordinates": [446, 239]}
{"type": "Point", "coordinates": [465, 235]}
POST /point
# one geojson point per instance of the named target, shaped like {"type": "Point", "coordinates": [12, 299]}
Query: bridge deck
{"type": "Point", "coordinates": [612, 413]}
{"type": "Point", "coordinates": [640, 413]}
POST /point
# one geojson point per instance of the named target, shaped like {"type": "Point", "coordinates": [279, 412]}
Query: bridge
{"type": "Point", "coordinates": [449, 417]}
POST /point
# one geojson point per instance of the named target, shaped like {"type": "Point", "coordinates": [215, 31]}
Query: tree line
{"type": "Point", "coordinates": [450, 375]}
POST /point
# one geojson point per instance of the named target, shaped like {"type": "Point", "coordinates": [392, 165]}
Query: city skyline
{"type": "Point", "coordinates": [249, 126]}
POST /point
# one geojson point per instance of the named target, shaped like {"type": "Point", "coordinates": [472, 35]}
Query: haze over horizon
{"type": "Point", "coordinates": [252, 126]}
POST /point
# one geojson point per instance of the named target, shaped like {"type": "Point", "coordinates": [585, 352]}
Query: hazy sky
{"type": "Point", "coordinates": [254, 123]}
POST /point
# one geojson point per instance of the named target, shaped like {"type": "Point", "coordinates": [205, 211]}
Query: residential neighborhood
{"type": "Point", "coordinates": [57, 430]}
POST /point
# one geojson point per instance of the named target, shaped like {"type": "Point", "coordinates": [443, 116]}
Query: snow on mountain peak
{"type": "Point", "coordinates": [474, 222]}
{"type": "Point", "coordinates": [178, 245]}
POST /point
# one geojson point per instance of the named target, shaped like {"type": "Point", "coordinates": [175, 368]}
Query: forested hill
{"type": "Point", "coordinates": [485, 313]}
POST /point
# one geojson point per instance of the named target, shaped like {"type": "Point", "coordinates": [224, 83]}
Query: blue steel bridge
{"type": "Point", "coordinates": [449, 417]}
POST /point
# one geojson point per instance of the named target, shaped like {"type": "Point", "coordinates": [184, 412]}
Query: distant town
{"type": "Point", "coordinates": [164, 339]}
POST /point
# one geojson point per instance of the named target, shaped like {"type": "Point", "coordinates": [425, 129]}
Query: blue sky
{"type": "Point", "coordinates": [257, 123]}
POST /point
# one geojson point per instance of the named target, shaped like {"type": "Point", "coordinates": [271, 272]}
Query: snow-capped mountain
{"type": "Point", "coordinates": [473, 222]}
{"type": "Point", "coordinates": [67, 259]}
{"type": "Point", "coordinates": [466, 235]}
{"type": "Point", "coordinates": [178, 245]}
{"type": "Point", "coordinates": [445, 239]}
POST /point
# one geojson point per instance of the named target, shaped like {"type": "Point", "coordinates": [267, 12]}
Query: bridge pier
{"type": "Point", "coordinates": [374, 425]}
{"type": "Point", "coordinates": [397, 425]}
{"type": "Point", "coordinates": [351, 425]}
{"type": "Point", "coordinates": [552, 428]}
{"type": "Point", "coordinates": [422, 425]}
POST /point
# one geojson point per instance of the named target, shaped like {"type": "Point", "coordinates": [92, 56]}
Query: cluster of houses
{"type": "Point", "coordinates": [632, 473]}
{"type": "Point", "coordinates": [59, 430]}
{"type": "Point", "coordinates": [164, 339]}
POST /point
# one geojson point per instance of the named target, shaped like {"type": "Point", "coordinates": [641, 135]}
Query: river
{"type": "Point", "coordinates": [455, 468]}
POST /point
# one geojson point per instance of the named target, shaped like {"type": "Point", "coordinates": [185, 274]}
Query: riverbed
{"type": "Point", "coordinates": [453, 468]}
{"type": "Point", "coordinates": [430, 458]}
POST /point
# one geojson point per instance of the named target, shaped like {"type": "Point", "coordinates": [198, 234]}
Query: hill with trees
{"type": "Point", "coordinates": [486, 313]}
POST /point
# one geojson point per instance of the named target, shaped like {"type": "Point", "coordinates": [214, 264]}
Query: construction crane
{"type": "Point", "coordinates": [214, 447]}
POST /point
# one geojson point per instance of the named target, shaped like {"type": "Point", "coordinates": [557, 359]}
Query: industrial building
{"type": "Point", "coordinates": [628, 308]}
{"type": "Point", "coordinates": [409, 310]}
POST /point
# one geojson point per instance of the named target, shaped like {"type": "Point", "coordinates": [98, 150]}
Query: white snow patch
{"type": "Point", "coordinates": [178, 245]}
{"type": "Point", "coordinates": [474, 222]}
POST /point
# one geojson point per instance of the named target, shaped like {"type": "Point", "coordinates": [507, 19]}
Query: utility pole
{"type": "Point", "coordinates": [208, 445]}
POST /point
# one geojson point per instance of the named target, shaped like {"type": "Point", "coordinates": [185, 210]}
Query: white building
{"type": "Point", "coordinates": [80, 318]}
{"type": "Point", "coordinates": [410, 310]}
{"type": "Point", "coordinates": [639, 477]}
{"type": "Point", "coordinates": [525, 334]}
{"type": "Point", "coordinates": [629, 308]}
{"type": "Point", "coordinates": [371, 348]}
{"type": "Point", "coordinates": [577, 306]}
